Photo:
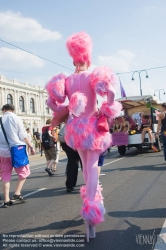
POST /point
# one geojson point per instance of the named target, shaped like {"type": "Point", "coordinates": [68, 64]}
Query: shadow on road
{"type": "Point", "coordinates": [145, 168]}
{"type": "Point", "coordinates": [146, 213]}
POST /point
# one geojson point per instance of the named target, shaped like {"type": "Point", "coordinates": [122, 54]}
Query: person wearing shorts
{"type": "Point", "coordinates": [101, 163]}
{"type": "Point", "coordinates": [50, 153]}
{"type": "Point", "coordinates": [16, 135]}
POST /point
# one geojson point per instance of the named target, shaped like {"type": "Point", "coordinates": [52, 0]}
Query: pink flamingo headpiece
{"type": "Point", "coordinates": [79, 46]}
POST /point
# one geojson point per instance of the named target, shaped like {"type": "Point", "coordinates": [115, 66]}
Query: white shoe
{"type": "Point", "coordinates": [92, 233]}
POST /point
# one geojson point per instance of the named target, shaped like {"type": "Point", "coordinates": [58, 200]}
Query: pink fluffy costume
{"type": "Point", "coordinates": [81, 132]}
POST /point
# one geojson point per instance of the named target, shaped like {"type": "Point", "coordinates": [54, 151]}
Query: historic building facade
{"type": "Point", "coordinates": [29, 102]}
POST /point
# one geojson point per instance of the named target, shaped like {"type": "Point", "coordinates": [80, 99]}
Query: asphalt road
{"type": "Point", "coordinates": [134, 192]}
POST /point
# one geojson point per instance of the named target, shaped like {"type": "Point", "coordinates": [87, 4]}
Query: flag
{"type": "Point", "coordinates": [123, 93]}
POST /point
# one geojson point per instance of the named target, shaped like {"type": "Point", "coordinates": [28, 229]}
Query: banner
{"type": "Point", "coordinates": [119, 139]}
{"type": "Point", "coordinates": [123, 93]}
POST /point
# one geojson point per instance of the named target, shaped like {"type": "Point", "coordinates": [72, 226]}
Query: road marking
{"type": "Point", "coordinates": [34, 192]}
{"type": "Point", "coordinates": [161, 239]}
{"type": "Point", "coordinates": [114, 161]}
{"type": "Point", "coordinates": [26, 195]}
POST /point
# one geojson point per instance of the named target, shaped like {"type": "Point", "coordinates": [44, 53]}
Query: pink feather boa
{"type": "Point", "coordinates": [102, 78]}
{"type": "Point", "coordinates": [111, 111]}
{"type": "Point", "coordinates": [56, 88]}
{"type": "Point", "coordinates": [77, 104]}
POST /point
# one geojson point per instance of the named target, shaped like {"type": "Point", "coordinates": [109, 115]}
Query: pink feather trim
{"type": "Point", "coordinates": [98, 195]}
{"type": "Point", "coordinates": [77, 104]}
{"type": "Point", "coordinates": [102, 78]}
{"type": "Point", "coordinates": [56, 88]}
{"type": "Point", "coordinates": [83, 192]}
{"type": "Point", "coordinates": [111, 111]}
{"type": "Point", "coordinates": [93, 212]}
{"type": "Point", "coordinates": [79, 46]}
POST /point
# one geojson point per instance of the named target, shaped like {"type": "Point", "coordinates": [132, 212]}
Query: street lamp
{"type": "Point", "coordinates": [159, 92]}
{"type": "Point", "coordinates": [139, 72]}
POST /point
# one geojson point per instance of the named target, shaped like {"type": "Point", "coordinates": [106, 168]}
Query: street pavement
{"type": "Point", "coordinates": [134, 191]}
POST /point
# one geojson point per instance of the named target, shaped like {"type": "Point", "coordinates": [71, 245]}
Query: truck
{"type": "Point", "coordinates": [148, 105]}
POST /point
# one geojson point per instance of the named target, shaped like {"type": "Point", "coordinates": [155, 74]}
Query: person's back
{"type": "Point", "coordinates": [81, 131]}
{"type": "Point", "coordinates": [13, 127]}
{"type": "Point", "coordinates": [81, 83]}
{"type": "Point", "coordinates": [48, 146]}
{"type": "Point", "coordinates": [14, 130]}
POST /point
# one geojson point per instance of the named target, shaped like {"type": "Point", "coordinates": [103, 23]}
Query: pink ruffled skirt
{"type": "Point", "coordinates": [82, 133]}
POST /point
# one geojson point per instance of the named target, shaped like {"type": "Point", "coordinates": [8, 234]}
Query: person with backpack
{"type": "Point", "coordinates": [48, 141]}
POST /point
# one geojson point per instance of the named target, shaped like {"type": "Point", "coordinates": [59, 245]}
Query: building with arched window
{"type": "Point", "coordinates": [21, 103]}
{"type": "Point", "coordinates": [29, 102]}
{"type": "Point", "coordinates": [32, 105]}
{"type": "Point", "coordinates": [9, 99]}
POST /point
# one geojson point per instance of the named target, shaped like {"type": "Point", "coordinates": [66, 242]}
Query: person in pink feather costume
{"type": "Point", "coordinates": [81, 133]}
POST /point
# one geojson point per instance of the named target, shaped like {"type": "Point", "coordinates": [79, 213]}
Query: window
{"type": "Point", "coordinates": [32, 105]}
{"type": "Point", "coordinates": [9, 99]}
{"type": "Point", "coordinates": [47, 110]}
{"type": "Point", "coordinates": [21, 103]}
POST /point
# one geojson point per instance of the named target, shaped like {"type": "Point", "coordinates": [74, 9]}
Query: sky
{"type": "Point", "coordinates": [127, 36]}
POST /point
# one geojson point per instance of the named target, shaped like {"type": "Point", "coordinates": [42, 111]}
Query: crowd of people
{"type": "Point", "coordinates": [142, 124]}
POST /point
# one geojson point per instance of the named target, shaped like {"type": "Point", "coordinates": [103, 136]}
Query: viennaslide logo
{"type": "Point", "coordinates": [150, 239]}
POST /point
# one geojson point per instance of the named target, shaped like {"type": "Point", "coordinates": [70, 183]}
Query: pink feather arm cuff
{"type": "Point", "coordinates": [56, 88]}
{"type": "Point", "coordinates": [111, 111]}
{"type": "Point", "coordinates": [102, 79]}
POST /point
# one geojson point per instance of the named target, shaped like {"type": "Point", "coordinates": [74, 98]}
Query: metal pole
{"type": "Point", "coordinates": [140, 82]}
{"type": "Point", "coordinates": [159, 95]}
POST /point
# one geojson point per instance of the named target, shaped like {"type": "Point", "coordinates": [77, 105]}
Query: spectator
{"type": "Point", "coordinates": [55, 132]}
{"type": "Point", "coordinates": [116, 126]}
{"type": "Point", "coordinates": [72, 167]}
{"type": "Point", "coordinates": [147, 128]}
{"type": "Point", "coordinates": [101, 163]}
{"type": "Point", "coordinates": [37, 140]}
{"type": "Point", "coordinates": [29, 135]}
{"type": "Point", "coordinates": [48, 146]}
{"type": "Point", "coordinates": [124, 125]}
{"type": "Point", "coordinates": [16, 135]}
{"type": "Point", "coordinates": [137, 118]}
{"type": "Point", "coordinates": [162, 127]}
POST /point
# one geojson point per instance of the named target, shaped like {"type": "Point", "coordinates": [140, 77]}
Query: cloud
{"type": "Point", "coordinates": [15, 27]}
{"type": "Point", "coordinates": [17, 59]}
{"type": "Point", "coordinates": [92, 67]}
{"type": "Point", "coordinates": [119, 62]}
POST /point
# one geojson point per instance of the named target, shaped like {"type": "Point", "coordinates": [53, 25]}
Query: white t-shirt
{"type": "Point", "coordinates": [15, 132]}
